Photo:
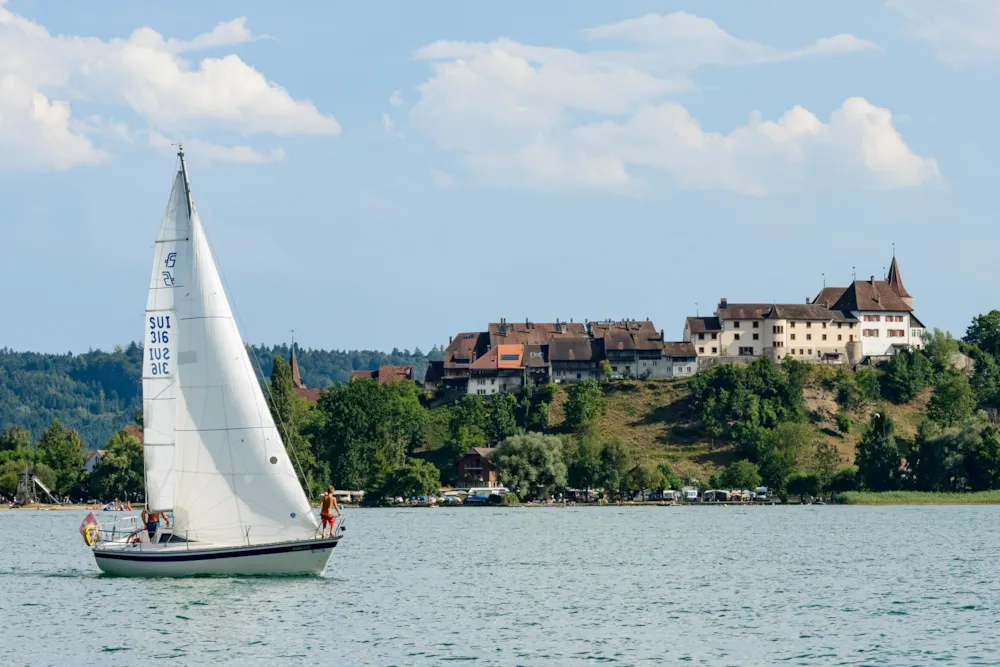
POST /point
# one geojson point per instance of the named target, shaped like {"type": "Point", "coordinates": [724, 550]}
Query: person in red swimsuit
{"type": "Point", "coordinates": [328, 504]}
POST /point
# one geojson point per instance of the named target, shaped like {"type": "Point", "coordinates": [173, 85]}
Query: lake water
{"type": "Point", "coordinates": [539, 586]}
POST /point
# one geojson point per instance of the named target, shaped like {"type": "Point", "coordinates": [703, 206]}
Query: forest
{"type": "Point", "coordinates": [96, 393]}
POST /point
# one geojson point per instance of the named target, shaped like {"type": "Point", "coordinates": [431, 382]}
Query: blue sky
{"type": "Point", "coordinates": [386, 174]}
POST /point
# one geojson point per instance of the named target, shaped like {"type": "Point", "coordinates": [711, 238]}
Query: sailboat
{"type": "Point", "coordinates": [213, 456]}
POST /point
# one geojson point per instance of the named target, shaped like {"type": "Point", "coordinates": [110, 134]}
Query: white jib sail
{"type": "Point", "coordinates": [234, 482]}
{"type": "Point", "coordinates": [160, 337]}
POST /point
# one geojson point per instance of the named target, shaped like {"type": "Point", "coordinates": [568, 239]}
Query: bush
{"type": "Point", "coordinates": [843, 422]}
{"type": "Point", "coordinates": [803, 485]}
{"type": "Point", "coordinates": [846, 479]}
{"type": "Point", "coordinates": [510, 499]}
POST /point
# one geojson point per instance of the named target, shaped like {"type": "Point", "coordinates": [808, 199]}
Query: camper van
{"type": "Point", "coordinates": [761, 494]}
{"type": "Point", "coordinates": [690, 494]}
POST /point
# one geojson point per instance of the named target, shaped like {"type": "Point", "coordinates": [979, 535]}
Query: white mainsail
{"type": "Point", "coordinates": [233, 480]}
{"type": "Point", "coordinates": [159, 372]}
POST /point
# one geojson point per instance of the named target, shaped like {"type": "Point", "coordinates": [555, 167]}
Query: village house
{"type": "Point", "coordinates": [508, 355]}
{"type": "Point", "coordinates": [476, 469]}
{"type": "Point", "coordinates": [866, 321]}
{"type": "Point", "coordinates": [311, 395]}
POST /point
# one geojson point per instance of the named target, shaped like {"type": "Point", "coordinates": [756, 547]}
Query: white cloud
{"type": "Point", "coordinates": [396, 99]}
{"type": "Point", "coordinates": [442, 180]}
{"type": "Point", "coordinates": [144, 73]}
{"type": "Point", "coordinates": [686, 41]}
{"type": "Point", "coordinates": [390, 126]}
{"type": "Point", "coordinates": [206, 152]}
{"type": "Point", "coordinates": [961, 32]}
{"type": "Point", "coordinates": [539, 117]}
{"type": "Point", "coordinates": [36, 133]}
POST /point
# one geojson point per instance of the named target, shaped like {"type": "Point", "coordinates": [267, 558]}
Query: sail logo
{"type": "Point", "coordinates": [170, 261]}
{"type": "Point", "coordinates": [168, 279]}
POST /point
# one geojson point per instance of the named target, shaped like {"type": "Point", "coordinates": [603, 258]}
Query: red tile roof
{"type": "Point", "coordinates": [870, 295]}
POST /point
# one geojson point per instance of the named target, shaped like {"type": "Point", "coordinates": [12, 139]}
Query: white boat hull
{"type": "Point", "coordinates": [308, 557]}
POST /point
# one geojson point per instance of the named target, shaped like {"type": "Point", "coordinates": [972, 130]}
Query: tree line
{"type": "Point", "coordinates": [96, 392]}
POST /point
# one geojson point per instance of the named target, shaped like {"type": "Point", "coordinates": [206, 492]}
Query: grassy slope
{"type": "Point", "coordinates": [921, 498]}
{"type": "Point", "coordinates": [654, 420]}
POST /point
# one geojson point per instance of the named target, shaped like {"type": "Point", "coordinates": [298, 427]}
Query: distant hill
{"type": "Point", "coordinates": [98, 392]}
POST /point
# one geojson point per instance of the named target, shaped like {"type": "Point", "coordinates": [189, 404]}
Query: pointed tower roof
{"type": "Point", "coordinates": [296, 376]}
{"type": "Point", "coordinates": [895, 282]}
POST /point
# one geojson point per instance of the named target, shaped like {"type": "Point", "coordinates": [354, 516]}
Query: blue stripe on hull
{"type": "Point", "coordinates": [184, 557]}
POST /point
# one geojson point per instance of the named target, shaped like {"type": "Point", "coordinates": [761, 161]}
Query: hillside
{"type": "Point", "coordinates": [656, 421]}
{"type": "Point", "coordinates": [97, 392]}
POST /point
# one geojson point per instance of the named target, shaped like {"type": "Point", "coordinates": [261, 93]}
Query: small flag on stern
{"type": "Point", "coordinates": [88, 520]}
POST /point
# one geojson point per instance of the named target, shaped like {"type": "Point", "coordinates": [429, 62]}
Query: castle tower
{"type": "Point", "coordinates": [896, 283]}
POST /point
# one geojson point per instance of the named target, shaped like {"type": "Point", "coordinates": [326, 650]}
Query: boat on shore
{"type": "Point", "coordinates": [214, 459]}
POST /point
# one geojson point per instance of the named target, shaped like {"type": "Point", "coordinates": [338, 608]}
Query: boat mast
{"type": "Point", "coordinates": [187, 186]}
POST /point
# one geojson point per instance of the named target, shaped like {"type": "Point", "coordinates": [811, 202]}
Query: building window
{"type": "Point", "coordinates": [777, 329]}
{"type": "Point", "coordinates": [714, 336]}
{"type": "Point", "coordinates": [701, 350]}
{"type": "Point", "coordinates": [746, 351]}
{"type": "Point", "coordinates": [809, 336]}
{"type": "Point", "coordinates": [736, 324]}
{"type": "Point", "coordinates": [736, 336]}
{"type": "Point", "coordinates": [824, 325]}
{"type": "Point", "coordinates": [801, 351]}
{"type": "Point", "coordinates": [579, 376]}
{"type": "Point", "coordinates": [792, 336]}
{"type": "Point", "coordinates": [809, 325]}
{"type": "Point", "coordinates": [840, 324]}
{"type": "Point", "coordinates": [824, 336]}
{"type": "Point", "coordinates": [852, 338]}
{"type": "Point", "coordinates": [755, 325]}
{"type": "Point", "coordinates": [689, 369]}
{"type": "Point", "coordinates": [701, 336]}
{"type": "Point", "coordinates": [913, 334]}
{"type": "Point", "coordinates": [791, 324]}
{"type": "Point", "coordinates": [839, 337]}
{"type": "Point", "coordinates": [714, 350]}
{"type": "Point", "coordinates": [778, 343]}
{"type": "Point", "coordinates": [756, 336]}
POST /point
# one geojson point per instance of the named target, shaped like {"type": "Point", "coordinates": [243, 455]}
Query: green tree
{"type": "Point", "coordinates": [868, 384]}
{"type": "Point", "coordinates": [671, 480]}
{"type": "Point", "coordinates": [14, 438]}
{"type": "Point", "coordinates": [878, 457]}
{"type": "Point", "coordinates": [120, 473]}
{"type": "Point", "coordinates": [584, 405]}
{"type": "Point", "coordinates": [849, 395]}
{"type": "Point", "coordinates": [952, 401]}
{"type": "Point", "coordinates": [292, 415]}
{"type": "Point", "coordinates": [614, 467]}
{"type": "Point", "coordinates": [501, 417]}
{"type": "Point", "coordinates": [935, 462]}
{"type": "Point", "coordinates": [985, 380]}
{"type": "Point", "coordinates": [845, 479]}
{"type": "Point", "coordinates": [906, 374]}
{"type": "Point", "coordinates": [843, 422]}
{"type": "Point", "coordinates": [804, 485]}
{"type": "Point", "coordinates": [826, 462]}
{"type": "Point", "coordinates": [984, 332]}
{"type": "Point", "coordinates": [783, 448]}
{"type": "Point", "coordinates": [531, 463]}
{"type": "Point", "coordinates": [604, 370]}
{"type": "Point", "coordinates": [941, 349]}
{"type": "Point", "coordinates": [741, 474]}
{"type": "Point", "coordinates": [415, 478]}
{"type": "Point", "coordinates": [467, 427]}
{"type": "Point", "coordinates": [364, 430]}
{"type": "Point", "coordinates": [584, 466]}
{"type": "Point", "coordinates": [982, 460]}
{"type": "Point", "coordinates": [62, 450]}
{"type": "Point", "coordinates": [648, 477]}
